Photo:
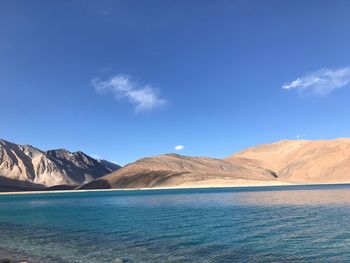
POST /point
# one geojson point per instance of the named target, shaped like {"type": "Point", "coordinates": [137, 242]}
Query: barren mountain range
{"type": "Point", "coordinates": [173, 170]}
{"type": "Point", "coordinates": [284, 162]}
{"type": "Point", "coordinates": [289, 161]}
{"type": "Point", "coordinates": [25, 166]}
{"type": "Point", "coordinates": [304, 161]}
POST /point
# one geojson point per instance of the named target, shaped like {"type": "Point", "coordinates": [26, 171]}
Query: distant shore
{"type": "Point", "coordinates": [239, 184]}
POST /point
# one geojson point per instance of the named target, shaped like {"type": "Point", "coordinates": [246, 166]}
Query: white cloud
{"type": "Point", "coordinates": [300, 136]}
{"type": "Point", "coordinates": [179, 147]}
{"type": "Point", "coordinates": [321, 82]}
{"type": "Point", "coordinates": [144, 97]}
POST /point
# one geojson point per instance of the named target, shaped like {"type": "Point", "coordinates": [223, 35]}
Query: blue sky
{"type": "Point", "coordinates": [127, 79]}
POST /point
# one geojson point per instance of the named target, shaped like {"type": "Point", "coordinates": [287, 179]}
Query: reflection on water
{"type": "Point", "coordinates": [320, 195]}
{"type": "Point", "coordinates": [272, 224]}
{"type": "Point", "coordinates": [298, 197]}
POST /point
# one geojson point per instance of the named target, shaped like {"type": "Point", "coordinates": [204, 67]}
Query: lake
{"type": "Point", "coordinates": [254, 224]}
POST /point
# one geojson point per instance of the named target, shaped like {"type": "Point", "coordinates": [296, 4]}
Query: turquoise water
{"type": "Point", "coordinates": [270, 224]}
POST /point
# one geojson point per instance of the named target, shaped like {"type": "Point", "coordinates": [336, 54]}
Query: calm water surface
{"type": "Point", "coordinates": [269, 224]}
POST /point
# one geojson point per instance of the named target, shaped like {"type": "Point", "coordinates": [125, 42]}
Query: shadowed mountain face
{"type": "Point", "coordinates": [10, 185]}
{"type": "Point", "coordinates": [25, 163]}
{"type": "Point", "coordinates": [303, 161]}
{"type": "Point", "coordinates": [172, 170]}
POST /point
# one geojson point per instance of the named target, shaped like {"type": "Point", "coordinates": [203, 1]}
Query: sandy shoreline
{"type": "Point", "coordinates": [239, 184]}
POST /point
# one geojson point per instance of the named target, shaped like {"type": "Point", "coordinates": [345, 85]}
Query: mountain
{"type": "Point", "coordinates": [288, 161]}
{"type": "Point", "coordinates": [9, 185]}
{"type": "Point", "coordinates": [303, 161]}
{"type": "Point", "coordinates": [172, 170]}
{"type": "Point", "coordinates": [27, 166]}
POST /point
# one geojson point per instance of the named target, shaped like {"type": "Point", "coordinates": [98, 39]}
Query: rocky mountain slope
{"type": "Point", "coordinates": [172, 170]}
{"type": "Point", "coordinates": [303, 161]}
{"type": "Point", "coordinates": [25, 165]}
{"type": "Point", "coordinates": [289, 161]}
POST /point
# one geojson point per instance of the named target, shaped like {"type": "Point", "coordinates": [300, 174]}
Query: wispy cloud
{"type": "Point", "coordinates": [179, 147]}
{"type": "Point", "coordinates": [144, 97]}
{"type": "Point", "coordinates": [321, 82]}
